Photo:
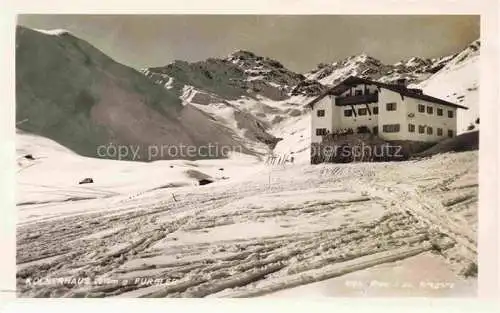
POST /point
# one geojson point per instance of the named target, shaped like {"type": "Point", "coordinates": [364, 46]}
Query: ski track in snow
{"type": "Point", "coordinates": [248, 238]}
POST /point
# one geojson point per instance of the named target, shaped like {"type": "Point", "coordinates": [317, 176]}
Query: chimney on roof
{"type": "Point", "coordinates": [401, 82]}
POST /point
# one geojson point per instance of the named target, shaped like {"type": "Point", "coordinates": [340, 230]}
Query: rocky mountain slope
{"type": "Point", "coordinates": [240, 74]}
{"type": "Point", "coordinates": [246, 92]}
{"type": "Point", "coordinates": [69, 91]}
{"type": "Point", "coordinates": [273, 96]}
{"type": "Point", "coordinates": [414, 69]}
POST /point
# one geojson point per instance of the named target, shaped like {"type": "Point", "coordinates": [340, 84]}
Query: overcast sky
{"type": "Point", "coordinates": [299, 42]}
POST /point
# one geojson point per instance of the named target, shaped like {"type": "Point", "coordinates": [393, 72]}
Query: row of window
{"type": "Point", "coordinates": [395, 128]}
{"type": "Point", "coordinates": [390, 107]}
{"type": "Point", "coordinates": [430, 110]}
{"type": "Point", "coordinates": [361, 111]}
{"type": "Point", "coordinates": [359, 92]}
{"type": "Point", "coordinates": [390, 128]}
{"type": "Point", "coordinates": [349, 112]}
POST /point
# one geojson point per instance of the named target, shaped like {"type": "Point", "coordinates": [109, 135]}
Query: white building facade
{"type": "Point", "coordinates": [393, 112]}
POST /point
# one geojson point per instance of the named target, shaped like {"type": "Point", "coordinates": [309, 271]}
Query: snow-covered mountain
{"type": "Point", "coordinates": [70, 92]}
{"type": "Point", "coordinates": [246, 92]}
{"type": "Point", "coordinates": [243, 99]}
{"type": "Point", "coordinates": [414, 69]}
{"type": "Point", "coordinates": [265, 92]}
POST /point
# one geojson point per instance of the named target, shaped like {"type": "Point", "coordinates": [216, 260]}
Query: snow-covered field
{"type": "Point", "coordinates": [149, 230]}
{"type": "Point", "coordinates": [48, 185]}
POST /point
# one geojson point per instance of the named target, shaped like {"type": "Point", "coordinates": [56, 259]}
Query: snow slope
{"type": "Point", "coordinates": [247, 93]}
{"type": "Point", "coordinates": [260, 123]}
{"type": "Point", "coordinates": [458, 82]}
{"type": "Point", "coordinates": [82, 99]}
{"type": "Point", "coordinates": [53, 175]}
{"type": "Point", "coordinates": [296, 134]}
{"type": "Point", "coordinates": [274, 229]}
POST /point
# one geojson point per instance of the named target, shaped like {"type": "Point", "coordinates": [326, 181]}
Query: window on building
{"type": "Point", "coordinates": [358, 92]}
{"type": "Point", "coordinates": [390, 128]}
{"type": "Point", "coordinates": [430, 110]}
{"type": "Point", "coordinates": [421, 129]}
{"type": "Point", "coordinates": [440, 132]}
{"type": "Point", "coordinates": [375, 110]}
{"type": "Point", "coordinates": [348, 112]}
{"type": "Point", "coordinates": [411, 128]}
{"type": "Point", "coordinates": [390, 106]}
{"type": "Point", "coordinates": [320, 131]}
{"type": "Point", "coordinates": [450, 133]}
{"type": "Point", "coordinates": [421, 108]}
{"type": "Point", "coordinates": [440, 112]}
{"type": "Point", "coordinates": [362, 111]}
{"type": "Point", "coordinates": [320, 113]}
{"type": "Point", "coordinates": [429, 130]}
{"type": "Point", "coordinates": [450, 114]}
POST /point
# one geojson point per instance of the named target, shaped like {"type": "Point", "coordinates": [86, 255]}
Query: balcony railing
{"type": "Point", "coordinates": [369, 98]}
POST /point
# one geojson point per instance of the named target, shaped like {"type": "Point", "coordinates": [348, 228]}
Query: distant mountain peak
{"type": "Point", "coordinates": [362, 57]}
{"type": "Point", "coordinates": [241, 53]}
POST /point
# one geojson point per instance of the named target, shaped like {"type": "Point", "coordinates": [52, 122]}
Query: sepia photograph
{"type": "Point", "coordinates": [242, 156]}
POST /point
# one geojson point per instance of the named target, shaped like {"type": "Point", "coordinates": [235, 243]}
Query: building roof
{"type": "Point", "coordinates": [401, 89]}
